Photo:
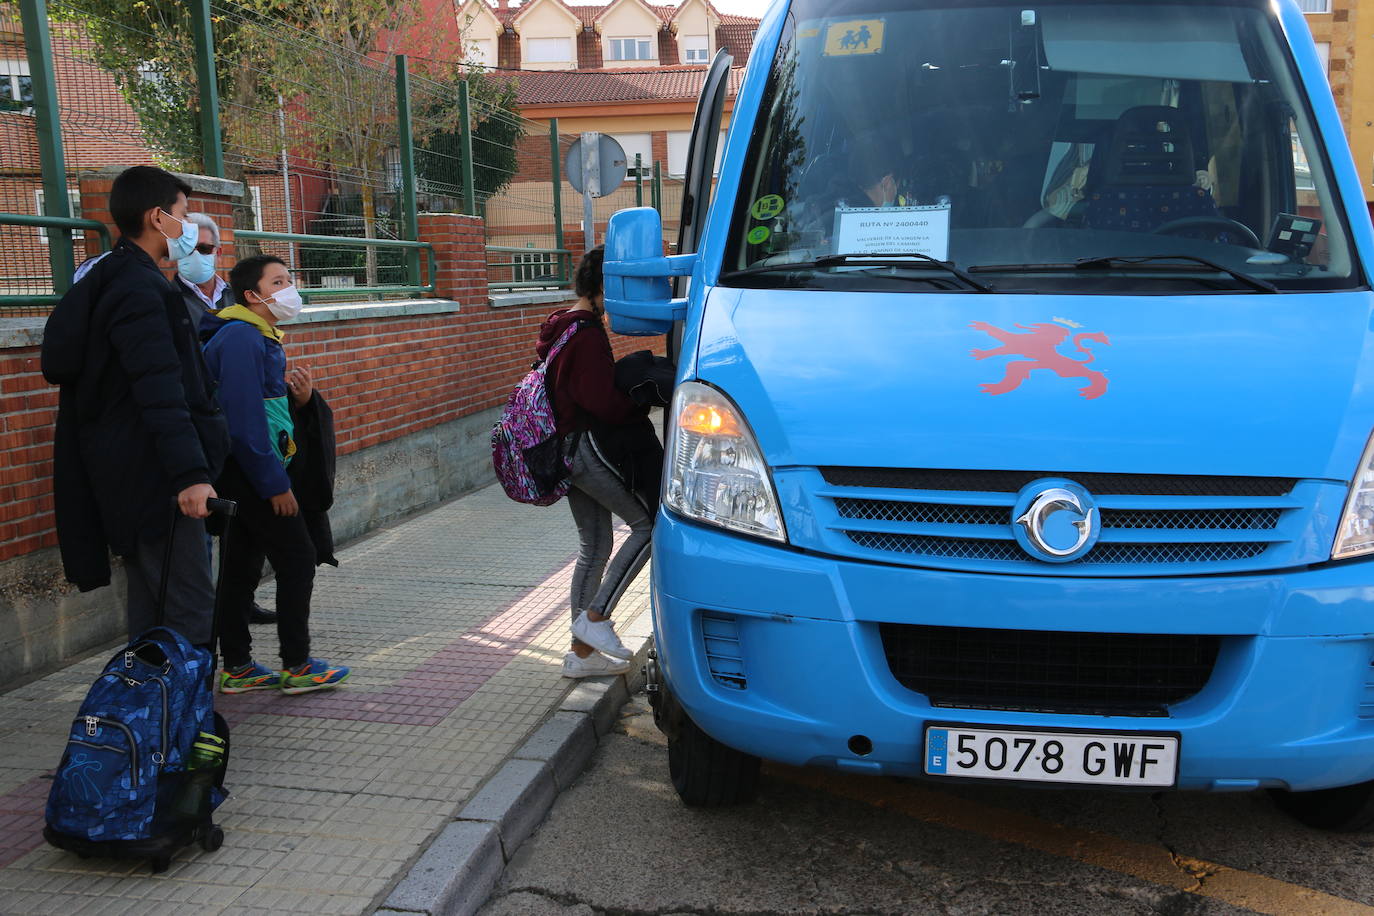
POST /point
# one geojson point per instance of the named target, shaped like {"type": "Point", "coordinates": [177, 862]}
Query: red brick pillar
{"type": "Point", "coordinates": [460, 249]}
{"type": "Point", "coordinates": [212, 196]}
{"type": "Point", "coordinates": [575, 240]}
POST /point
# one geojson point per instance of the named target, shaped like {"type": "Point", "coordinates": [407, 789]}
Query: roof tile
{"type": "Point", "coordinates": [560, 87]}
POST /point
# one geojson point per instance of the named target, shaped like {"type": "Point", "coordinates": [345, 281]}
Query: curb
{"type": "Point", "coordinates": [456, 874]}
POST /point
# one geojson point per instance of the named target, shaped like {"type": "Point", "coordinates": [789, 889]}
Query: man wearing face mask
{"type": "Point", "coordinates": [200, 287]}
{"type": "Point", "coordinates": [244, 351]}
{"type": "Point", "coordinates": [138, 429]}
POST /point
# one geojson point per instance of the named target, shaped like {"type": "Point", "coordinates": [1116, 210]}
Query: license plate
{"type": "Point", "coordinates": [1032, 755]}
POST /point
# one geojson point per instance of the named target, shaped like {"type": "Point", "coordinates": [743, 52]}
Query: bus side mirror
{"type": "Point", "coordinates": [639, 298]}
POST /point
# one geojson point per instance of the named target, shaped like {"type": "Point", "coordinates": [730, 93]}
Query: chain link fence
{"type": "Point", "coordinates": [100, 131]}
{"type": "Point", "coordinates": [314, 132]}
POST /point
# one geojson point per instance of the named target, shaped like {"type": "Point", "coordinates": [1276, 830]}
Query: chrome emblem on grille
{"type": "Point", "coordinates": [1056, 521]}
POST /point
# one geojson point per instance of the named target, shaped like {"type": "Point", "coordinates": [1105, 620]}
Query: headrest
{"type": "Point", "coordinates": [1150, 146]}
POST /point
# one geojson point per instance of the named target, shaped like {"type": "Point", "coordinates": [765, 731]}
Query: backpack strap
{"type": "Point", "coordinates": [559, 344]}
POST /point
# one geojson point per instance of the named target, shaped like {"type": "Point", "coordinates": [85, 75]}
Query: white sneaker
{"type": "Point", "coordinates": [600, 635]}
{"type": "Point", "coordinates": [594, 665]}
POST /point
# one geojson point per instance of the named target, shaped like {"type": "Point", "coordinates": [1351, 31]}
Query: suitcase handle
{"type": "Point", "coordinates": [223, 506]}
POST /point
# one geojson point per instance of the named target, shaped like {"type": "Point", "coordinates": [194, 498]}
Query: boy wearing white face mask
{"type": "Point", "coordinates": [243, 349]}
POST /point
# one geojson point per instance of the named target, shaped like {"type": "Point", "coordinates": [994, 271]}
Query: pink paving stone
{"type": "Point", "coordinates": [21, 819]}
{"type": "Point", "coordinates": [425, 696]}
{"type": "Point", "coordinates": [436, 687]}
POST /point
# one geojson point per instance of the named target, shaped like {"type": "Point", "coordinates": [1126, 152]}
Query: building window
{"type": "Point", "coordinates": [1315, 6]}
{"type": "Point", "coordinates": [678, 141]}
{"type": "Point", "coordinates": [695, 49]}
{"type": "Point", "coordinates": [16, 86]}
{"type": "Point", "coordinates": [548, 50]}
{"type": "Point", "coordinates": [630, 49]}
{"type": "Point", "coordinates": [73, 199]}
{"type": "Point", "coordinates": [642, 144]}
{"type": "Point", "coordinates": [1324, 53]}
{"type": "Point", "coordinates": [256, 193]}
{"type": "Point", "coordinates": [480, 51]}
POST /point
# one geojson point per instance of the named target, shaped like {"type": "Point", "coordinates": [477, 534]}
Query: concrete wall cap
{"type": "Point", "coordinates": [355, 311]}
{"type": "Point", "coordinates": [200, 184]}
{"type": "Point", "coordinates": [530, 297]}
{"type": "Point", "coordinates": [21, 332]}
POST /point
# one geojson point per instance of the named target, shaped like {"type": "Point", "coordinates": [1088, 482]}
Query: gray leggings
{"type": "Point", "coordinates": [597, 491]}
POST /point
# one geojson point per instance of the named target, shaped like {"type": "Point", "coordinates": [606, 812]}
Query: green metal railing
{"type": "Point", "coordinates": [66, 223]}
{"type": "Point", "coordinates": [558, 260]}
{"type": "Point", "coordinates": [308, 293]}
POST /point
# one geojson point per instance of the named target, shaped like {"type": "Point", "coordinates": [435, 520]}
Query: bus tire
{"type": "Point", "coordinates": [1346, 809]}
{"type": "Point", "coordinates": [708, 774]}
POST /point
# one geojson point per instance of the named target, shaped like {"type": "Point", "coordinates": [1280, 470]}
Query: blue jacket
{"type": "Point", "coordinates": [245, 357]}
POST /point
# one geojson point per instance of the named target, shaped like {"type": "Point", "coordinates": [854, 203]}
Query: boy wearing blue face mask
{"type": "Point", "coordinates": [244, 352]}
{"type": "Point", "coordinates": [138, 429]}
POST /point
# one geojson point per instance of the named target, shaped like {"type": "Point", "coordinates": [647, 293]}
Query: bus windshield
{"type": "Point", "coordinates": [1016, 143]}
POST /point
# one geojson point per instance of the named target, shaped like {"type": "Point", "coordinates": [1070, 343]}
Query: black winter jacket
{"type": "Point", "coordinates": [137, 420]}
{"type": "Point", "coordinates": [312, 473]}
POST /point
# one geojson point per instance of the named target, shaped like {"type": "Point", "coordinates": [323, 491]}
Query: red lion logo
{"type": "Point", "coordinates": [1041, 345]}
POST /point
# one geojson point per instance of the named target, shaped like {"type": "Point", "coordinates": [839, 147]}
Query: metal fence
{"type": "Point", "coordinates": [338, 149]}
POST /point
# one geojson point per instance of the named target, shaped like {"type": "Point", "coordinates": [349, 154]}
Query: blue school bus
{"type": "Point", "coordinates": [1022, 430]}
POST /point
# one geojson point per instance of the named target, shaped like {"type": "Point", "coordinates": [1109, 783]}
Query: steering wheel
{"type": "Point", "coordinates": [1220, 223]}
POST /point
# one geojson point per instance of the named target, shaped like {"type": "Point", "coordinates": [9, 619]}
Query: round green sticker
{"type": "Point", "coordinates": [767, 207]}
{"type": "Point", "coordinates": [759, 234]}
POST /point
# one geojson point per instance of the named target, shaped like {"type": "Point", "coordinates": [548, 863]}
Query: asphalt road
{"type": "Point", "coordinates": [620, 842]}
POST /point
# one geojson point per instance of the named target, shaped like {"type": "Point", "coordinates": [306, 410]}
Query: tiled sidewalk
{"type": "Point", "coordinates": [454, 623]}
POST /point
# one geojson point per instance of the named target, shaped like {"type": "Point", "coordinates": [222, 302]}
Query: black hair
{"type": "Point", "coordinates": [247, 274]}
{"type": "Point", "coordinates": [140, 189]}
{"type": "Point", "coordinates": [587, 280]}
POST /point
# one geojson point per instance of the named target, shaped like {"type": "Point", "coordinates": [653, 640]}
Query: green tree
{"type": "Point", "coordinates": [496, 134]}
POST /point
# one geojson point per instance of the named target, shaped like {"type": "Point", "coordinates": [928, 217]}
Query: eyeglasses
{"type": "Point", "coordinates": [204, 248]}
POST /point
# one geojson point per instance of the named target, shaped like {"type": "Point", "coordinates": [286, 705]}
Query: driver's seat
{"type": "Point", "coordinates": [1148, 175]}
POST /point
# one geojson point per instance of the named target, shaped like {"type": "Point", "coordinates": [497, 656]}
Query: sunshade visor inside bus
{"type": "Point", "coordinates": [1164, 41]}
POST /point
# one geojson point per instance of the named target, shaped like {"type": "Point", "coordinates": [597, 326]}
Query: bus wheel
{"type": "Point", "coordinates": [1346, 809]}
{"type": "Point", "coordinates": [706, 773]}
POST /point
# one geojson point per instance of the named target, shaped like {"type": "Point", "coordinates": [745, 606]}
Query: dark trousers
{"type": "Point", "coordinates": [254, 533]}
{"type": "Point", "coordinates": [190, 591]}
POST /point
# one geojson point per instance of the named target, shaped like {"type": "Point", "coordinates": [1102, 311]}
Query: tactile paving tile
{"type": "Point", "coordinates": [454, 622]}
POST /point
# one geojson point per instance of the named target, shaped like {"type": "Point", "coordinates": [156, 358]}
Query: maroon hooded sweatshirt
{"type": "Point", "coordinates": [581, 378]}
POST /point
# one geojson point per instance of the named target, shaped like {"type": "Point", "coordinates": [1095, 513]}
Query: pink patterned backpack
{"type": "Point", "coordinates": [526, 449]}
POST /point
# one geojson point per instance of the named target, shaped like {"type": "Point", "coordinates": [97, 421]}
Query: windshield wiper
{"type": "Point", "coordinates": [1117, 262]}
{"type": "Point", "coordinates": [913, 261]}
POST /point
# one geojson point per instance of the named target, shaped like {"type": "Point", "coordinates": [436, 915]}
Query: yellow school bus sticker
{"type": "Point", "coordinates": [854, 36]}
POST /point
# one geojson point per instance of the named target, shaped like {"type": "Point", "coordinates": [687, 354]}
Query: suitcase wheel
{"type": "Point", "coordinates": [212, 839]}
{"type": "Point", "coordinates": [160, 864]}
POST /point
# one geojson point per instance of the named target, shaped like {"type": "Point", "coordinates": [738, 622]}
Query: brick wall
{"type": "Point", "coordinates": [385, 377]}
{"type": "Point", "coordinates": [589, 53]}
{"type": "Point", "coordinates": [28, 411]}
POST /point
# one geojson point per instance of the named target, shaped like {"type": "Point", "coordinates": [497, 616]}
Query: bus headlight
{"type": "Point", "coordinates": [716, 473]}
{"type": "Point", "coordinates": [1355, 537]}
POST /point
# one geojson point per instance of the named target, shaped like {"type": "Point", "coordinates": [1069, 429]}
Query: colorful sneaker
{"type": "Point", "coordinates": [594, 665]}
{"type": "Point", "coordinates": [315, 674]}
{"type": "Point", "coordinates": [251, 676]}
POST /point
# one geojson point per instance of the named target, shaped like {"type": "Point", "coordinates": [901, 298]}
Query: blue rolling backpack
{"type": "Point", "coordinates": [143, 771]}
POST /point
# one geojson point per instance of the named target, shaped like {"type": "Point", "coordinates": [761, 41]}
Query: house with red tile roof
{"type": "Point", "coordinates": [629, 68]}
{"type": "Point", "coordinates": [556, 35]}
